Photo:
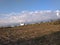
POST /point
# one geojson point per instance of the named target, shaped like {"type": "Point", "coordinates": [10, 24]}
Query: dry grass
{"type": "Point", "coordinates": [32, 32]}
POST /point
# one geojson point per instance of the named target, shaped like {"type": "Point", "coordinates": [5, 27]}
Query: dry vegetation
{"type": "Point", "coordinates": [34, 34]}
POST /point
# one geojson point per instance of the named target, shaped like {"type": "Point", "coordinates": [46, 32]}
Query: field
{"type": "Point", "coordinates": [34, 34]}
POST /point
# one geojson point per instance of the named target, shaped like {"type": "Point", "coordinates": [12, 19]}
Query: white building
{"type": "Point", "coordinates": [21, 24]}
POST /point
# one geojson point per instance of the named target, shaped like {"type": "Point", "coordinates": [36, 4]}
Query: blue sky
{"type": "Point", "coordinates": [15, 11]}
{"type": "Point", "coordinates": [8, 6]}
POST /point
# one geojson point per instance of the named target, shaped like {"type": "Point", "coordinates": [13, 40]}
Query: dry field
{"type": "Point", "coordinates": [34, 34]}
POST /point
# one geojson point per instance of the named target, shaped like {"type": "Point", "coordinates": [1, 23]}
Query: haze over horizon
{"type": "Point", "coordinates": [28, 17]}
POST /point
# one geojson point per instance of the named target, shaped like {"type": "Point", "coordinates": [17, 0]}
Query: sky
{"type": "Point", "coordinates": [14, 11]}
{"type": "Point", "coordinates": [8, 6]}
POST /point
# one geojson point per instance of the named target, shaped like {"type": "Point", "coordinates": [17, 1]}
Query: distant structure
{"type": "Point", "coordinates": [57, 12]}
{"type": "Point", "coordinates": [21, 24]}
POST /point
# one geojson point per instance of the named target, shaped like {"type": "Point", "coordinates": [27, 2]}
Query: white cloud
{"type": "Point", "coordinates": [27, 16]}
